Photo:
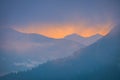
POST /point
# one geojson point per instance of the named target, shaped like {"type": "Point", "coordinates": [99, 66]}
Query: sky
{"type": "Point", "coordinates": [58, 18]}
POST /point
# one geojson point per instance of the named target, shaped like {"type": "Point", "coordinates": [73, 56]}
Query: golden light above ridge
{"type": "Point", "coordinates": [62, 30]}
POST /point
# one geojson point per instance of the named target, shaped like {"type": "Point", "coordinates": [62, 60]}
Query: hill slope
{"type": "Point", "coordinates": [99, 61]}
{"type": "Point", "coordinates": [20, 51]}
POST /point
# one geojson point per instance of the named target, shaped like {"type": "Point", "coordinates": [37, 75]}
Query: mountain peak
{"type": "Point", "coordinates": [96, 35]}
{"type": "Point", "coordinates": [83, 40]}
{"type": "Point", "coordinates": [74, 35]}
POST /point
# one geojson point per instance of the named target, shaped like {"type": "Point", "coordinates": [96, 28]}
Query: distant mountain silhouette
{"type": "Point", "coordinates": [99, 61]}
{"type": "Point", "coordinates": [20, 51]}
{"type": "Point", "coordinates": [83, 40]}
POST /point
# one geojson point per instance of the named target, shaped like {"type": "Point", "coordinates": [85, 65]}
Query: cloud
{"type": "Point", "coordinates": [84, 29]}
{"type": "Point", "coordinates": [55, 11]}
{"type": "Point", "coordinates": [28, 64]}
{"type": "Point", "coordinates": [23, 46]}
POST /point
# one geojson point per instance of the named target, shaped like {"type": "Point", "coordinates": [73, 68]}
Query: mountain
{"type": "Point", "coordinates": [20, 51]}
{"type": "Point", "coordinates": [99, 61]}
{"type": "Point", "coordinates": [83, 40]}
{"type": "Point", "coordinates": [75, 37]}
{"type": "Point", "coordinates": [11, 34]}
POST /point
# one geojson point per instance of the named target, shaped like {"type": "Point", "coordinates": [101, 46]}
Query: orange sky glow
{"type": "Point", "coordinates": [61, 30]}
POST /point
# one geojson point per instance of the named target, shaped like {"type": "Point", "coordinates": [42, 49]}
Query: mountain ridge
{"type": "Point", "coordinates": [83, 40]}
{"type": "Point", "coordinates": [20, 51]}
{"type": "Point", "coordinates": [98, 61]}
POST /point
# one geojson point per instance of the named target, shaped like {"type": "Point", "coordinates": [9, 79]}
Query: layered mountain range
{"type": "Point", "coordinates": [21, 51]}
{"type": "Point", "coordinates": [99, 61]}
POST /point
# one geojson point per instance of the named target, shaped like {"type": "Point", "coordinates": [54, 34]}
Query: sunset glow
{"type": "Point", "coordinates": [62, 30]}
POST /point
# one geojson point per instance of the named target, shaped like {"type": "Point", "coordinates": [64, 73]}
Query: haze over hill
{"type": "Point", "coordinates": [37, 40]}
{"type": "Point", "coordinates": [20, 51]}
{"type": "Point", "coordinates": [99, 61]}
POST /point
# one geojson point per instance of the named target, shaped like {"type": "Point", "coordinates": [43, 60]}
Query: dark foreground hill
{"type": "Point", "coordinates": [100, 61]}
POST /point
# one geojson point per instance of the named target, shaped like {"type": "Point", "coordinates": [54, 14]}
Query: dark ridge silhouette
{"type": "Point", "coordinates": [99, 61]}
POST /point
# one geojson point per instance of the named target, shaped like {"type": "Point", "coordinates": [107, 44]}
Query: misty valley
{"type": "Point", "coordinates": [59, 40]}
